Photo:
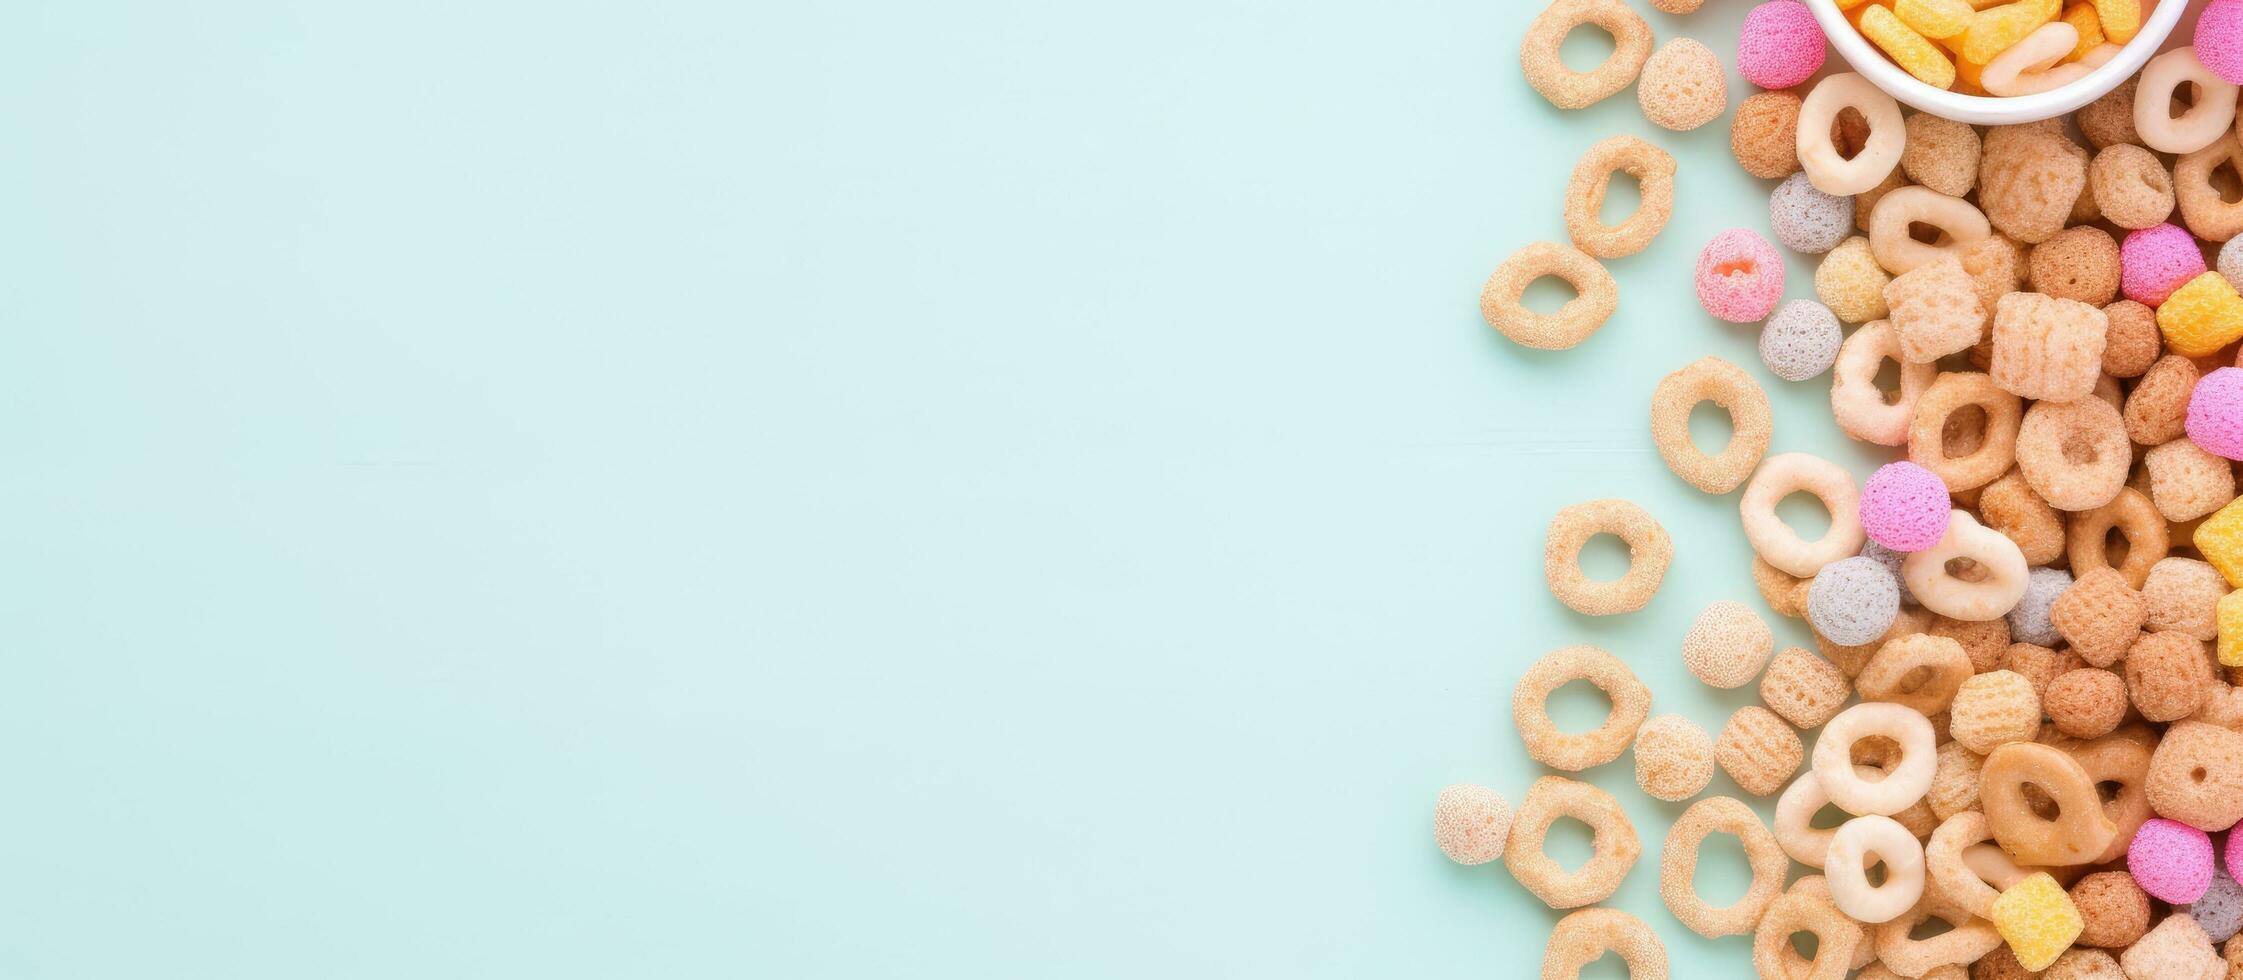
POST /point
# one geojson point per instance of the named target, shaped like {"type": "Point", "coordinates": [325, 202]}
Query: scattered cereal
{"type": "Point", "coordinates": [1851, 283]}
{"type": "Point", "coordinates": [1807, 220]}
{"type": "Point", "coordinates": [2028, 180]}
{"type": "Point", "coordinates": [1679, 863]}
{"type": "Point", "coordinates": [2158, 260]}
{"type": "Point", "coordinates": [2196, 776]}
{"type": "Point", "coordinates": [1832, 171]}
{"type": "Point", "coordinates": [2204, 206]}
{"type": "Point", "coordinates": [1858, 404]}
{"type": "Point", "coordinates": [2205, 120]}
{"type": "Point", "coordinates": [2038, 920]}
{"type": "Point", "coordinates": [2115, 909]}
{"type": "Point", "coordinates": [1929, 440]}
{"type": "Point", "coordinates": [1941, 154]}
{"type": "Point", "coordinates": [2077, 264]}
{"type": "Point", "coordinates": [1711, 379]}
{"type": "Point", "coordinates": [1569, 89]}
{"type": "Point", "coordinates": [1545, 743]}
{"type": "Point", "coordinates": [1897, 214]}
{"type": "Point", "coordinates": [2215, 413]}
{"type": "Point", "coordinates": [2029, 620]}
{"type": "Point", "coordinates": [1764, 134]}
{"type": "Point", "coordinates": [2156, 411]}
{"type": "Point", "coordinates": [2185, 481]}
{"type": "Point", "coordinates": [2074, 454]}
{"type": "Point", "coordinates": [2132, 343]}
{"type": "Point", "coordinates": [1773, 540]}
{"type": "Point", "coordinates": [1780, 45]}
{"type": "Point", "coordinates": [2086, 540]}
{"type": "Point", "coordinates": [1955, 778]}
{"type": "Point", "coordinates": [2080, 830]}
{"type": "Point", "coordinates": [1674, 758]}
{"type": "Point", "coordinates": [2181, 594]}
{"type": "Point", "coordinates": [2010, 506]}
{"type": "Point", "coordinates": [1836, 938]}
{"type": "Point", "coordinates": [1935, 310]}
{"type": "Point", "coordinates": [2170, 860]}
{"type": "Point", "coordinates": [2219, 40]}
{"type": "Point", "coordinates": [1904, 507]}
{"type": "Point", "coordinates": [1805, 689]}
{"type": "Point", "coordinates": [1920, 671]}
{"type": "Point", "coordinates": [1740, 276]}
{"type": "Point", "coordinates": [2047, 348]}
{"type": "Point", "coordinates": [1583, 937]}
{"type": "Point", "coordinates": [1597, 296]}
{"type": "Point", "coordinates": [2086, 703]}
{"type": "Point", "coordinates": [1758, 750]}
{"type": "Point", "coordinates": [1649, 551]}
{"type": "Point", "coordinates": [1614, 841]}
{"type": "Point", "coordinates": [1865, 841]}
{"type": "Point", "coordinates": [1653, 169]}
{"type": "Point", "coordinates": [2220, 909]}
{"type": "Point", "coordinates": [1902, 785]}
{"type": "Point", "coordinates": [2131, 186]}
{"type": "Point", "coordinates": [1471, 823]}
{"type": "Point", "coordinates": [2109, 120]}
{"type": "Point", "coordinates": [1999, 564]}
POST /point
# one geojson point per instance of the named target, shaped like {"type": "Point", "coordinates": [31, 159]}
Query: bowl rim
{"type": "Point", "coordinates": [1990, 110]}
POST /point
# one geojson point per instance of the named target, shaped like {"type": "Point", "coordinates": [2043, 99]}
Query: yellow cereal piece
{"type": "Point", "coordinates": [1994, 29]}
{"type": "Point", "coordinates": [1849, 5]}
{"type": "Point", "coordinates": [2230, 610]}
{"type": "Point", "coordinates": [2120, 18]}
{"type": "Point", "coordinates": [2038, 920]}
{"type": "Point", "coordinates": [1908, 49]}
{"type": "Point", "coordinates": [1934, 18]}
{"type": "Point", "coordinates": [2201, 317]}
{"type": "Point", "coordinates": [2220, 540]}
{"type": "Point", "coordinates": [2083, 19]}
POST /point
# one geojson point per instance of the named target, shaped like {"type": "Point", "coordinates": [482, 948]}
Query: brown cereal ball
{"type": "Point", "coordinates": [2100, 616]}
{"type": "Point", "coordinates": [1866, 201]}
{"type": "Point", "coordinates": [1955, 781]}
{"type": "Point", "coordinates": [2196, 776]}
{"type": "Point", "coordinates": [2157, 409]}
{"type": "Point", "coordinates": [2028, 180]}
{"type": "Point", "coordinates": [2109, 121]}
{"type": "Point", "coordinates": [1994, 707]}
{"type": "Point", "coordinates": [1804, 689]}
{"type": "Point", "coordinates": [1674, 758]}
{"type": "Point", "coordinates": [2086, 703]}
{"type": "Point", "coordinates": [1996, 267]}
{"type": "Point", "coordinates": [1728, 645]}
{"type": "Point", "coordinates": [1984, 643]}
{"type": "Point", "coordinates": [1942, 154]}
{"type": "Point", "coordinates": [2084, 964]}
{"type": "Point", "coordinates": [2184, 594]}
{"type": "Point", "coordinates": [2084, 210]}
{"type": "Point", "coordinates": [2168, 675]}
{"type": "Point", "coordinates": [2116, 910]}
{"type": "Point", "coordinates": [1851, 283]}
{"type": "Point", "coordinates": [1764, 134]}
{"type": "Point", "coordinates": [2132, 343]}
{"type": "Point", "coordinates": [2186, 482]}
{"type": "Point", "coordinates": [2076, 263]}
{"type": "Point", "coordinates": [2035, 663]}
{"type": "Point", "coordinates": [2010, 506]}
{"type": "Point", "coordinates": [1758, 750]}
{"type": "Point", "coordinates": [2131, 186]}
{"type": "Point", "coordinates": [1682, 86]}
{"type": "Point", "coordinates": [1470, 823]}
{"type": "Point", "coordinates": [2001, 964]}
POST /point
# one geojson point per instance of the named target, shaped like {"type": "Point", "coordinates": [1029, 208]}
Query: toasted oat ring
{"type": "Point", "coordinates": [1678, 864]}
{"type": "Point", "coordinates": [1631, 703]}
{"type": "Point", "coordinates": [1960, 225]}
{"type": "Point", "coordinates": [2074, 454]}
{"type": "Point", "coordinates": [1846, 868]}
{"type": "Point", "coordinates": [1774, 541]}
{"type": "Point", "coordinates": [1996, 560]}
{"type": "Point", "coordinates": [1918, 671]}
{"type": "Point", "coordinates": [2205, 210]}
{"type": "Point", "coordinates": [1596, 296]}
{"type": "Point", "coordinates": [1569, 89]}
{"type": "Point", "coordinates": [1949, 394]}
{"type": "Point", "coordinates": [1653, 169]}
{"type": "Point", "coordinates": [2206, 119]}
{"type": "Point", "coordinates": [1905, 782]}
{"type": "Point", "coordinates": [1829, 169]}
{"type": "Point", "coordinates": [2122, 757]}
{"type": "Point", "coordinates": [1583, 937]}
{"type": "Point", "coordinates": [1835, 939]}
{"type": "Point", "coordinates": [1711, 379]}
{"type": "Point", "coordinates": [2081, 829]}
{"type": "Point", "coordinates": [1970, 939]}
{"type": "Point", "coordinates": [1614, 841]}
{"type": "Point", "coordinates": [1649, 551]}
{"type": "Point", "coordinates": [2136, 518]}
{"type": "Point", "coordinates": [1951, 876]}
{"type": "Point", "coordinates": [1796, 832]}
{"type": "Point", "coordinates": [1856, 401]}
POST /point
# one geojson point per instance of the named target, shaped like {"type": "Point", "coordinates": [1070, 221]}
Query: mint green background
{"type": "Point", "coordinates": [700, 489]}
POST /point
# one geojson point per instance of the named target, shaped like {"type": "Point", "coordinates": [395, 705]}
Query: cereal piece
{"type": "Point", "coordinates": [2223, 706]}
{"type": "Point", "coordinates": [1807, 220]}
{"type": "Point", "coordinates": [2115, 909]}
{"type": "Point", "coordinates": [1795, 813]}
{"type": "Point", "coordinates": [2158, 260]}
{"type": "Point", "coordinates": [1858, 404]}
{"type": "Point", "coordinates": [2204, 207]}
{"type": "Point", "coordinates": [1727, 646]}
{"type": "Point", "coordinates": [1970, 938]}
{"type": "Point", "coordinates": [2171, 861]}
{"type": "Point", "coordinates": [1545, 743]}
{"type": "Point", "coordinates": [2077, 264]}
{"type": "Point", "coordinates": [1836, 938]}
{"type": "Point", "coordinates": [2176, 949]}
{"type": "Point", "coordinates": [2081, 964]}
{"type": "Point", "coordinates": [1992, 708]}
{"type": "Point", "coordinates": [1653, 169]}
{"type": "Point", "coordinates": [1954, 786]}
{"type": "Point", "coordinates": [1801, 340]}
{"type": "Point", "coordinates": [1935, 310]}
{"type": "Point", "coordinates": [2081, 15]}
{"type": "Point", "coordinates": [1941, 154]}
{"type": "Point", "coordinates": [1711, 379]}
{"type": "Point", "coordinates": [2167, 675]}
{"type": "Point", "coordinates": [1920, 671]}
{"type": "Point", "coordinates": [2036, 63]}
{"type": "Point", "coordinates": [2074, 454]}
{"type": "Point", "coordinates": [1773, 540]}
{"type": "Point", "coordinates": [1904, 783]}
{"type": "Point", "coordinates": [2035, 663]}
{"type": "Point", "coordinates": [1682, 86]}
{"type": "Point", "coordinates": [2100, 616]}
{"type": "Point", "coordinates": [1904, 507]}
{"type": "Point", "coordinates": [1764, 134]}
{"type": "Point", "coordinates": [2215, 413]}
{"type": "Point", "coordinates": [2229, 611]}
{"type": "Point", "coordinates": [2131, 186]}
{"type": "Point", "coordinates": [1614, 841]}
{"type": "Point", "coordinates": [1896, 214]}
{"type": "Point", "coordinates": [1865, 203]}
{"type": "Point", "coordinates": [2120, 759]}
{"type": "Point", "coordinates": [2011, 507]}
{"type": "Point", "coordinates": [2028, 620]}
{"type": "Point", "coordinates": [1674, 758]}
{"type": "Point", "coordinates": [2080, 830]}
{"type": "Point", "coordinates": [1758, 750]}
{"type": "Point", "coordinates": [2181, 594]}
{"type": "Point", "coordinates": [2207, 117]}
{"type": "Point", "coordinates": [1470, 823]}
{"type": "Point", "coordinates": [1929, 442]}
{"type": "Point", "coordinates": [1832, 171]}
{"type": "Point", "coordinates": [2220, 909]}
{"type": "Point", "coordinates": [1584, 937]}
{"type": "Point", "coordinates": [2230, 262]}
{"type": "Point", "coordinates": [1914, 53]}
{"type": "Point", "coordinates": [2047, 348]}
{"type": "Point", "coordinates": [1780, 46]}
{"type": "Point", "coordinates": [1850, 853]}
{"type": "Point", "coordinates": [1740, 276]}
{"type": "Point", "coordinates": [1995, 266]}
{"type": "Point", "coordinates": [2219, 40]}
{"type": "Point", "coordinates": [2196, 776]}
{"type": "Point", "coordinates": [1985, 642]}
{"type": "Point", "coordinates": [1569, 89]}
{"type": "Point", "coordinates": [1679, 863]}
{"type": "Point", "coordinates": [2038, 920]}
{"type": "Point", "coordinates": [1597, 296]}
{"type": "Point", "coordinates": [1853, 601]}
{"type": "Point", "coordinates": [1649, 551]}
{"type": "Point", "coordinates": [1803, 689]}
{"type": "Point", "coordinates": [2000, 566]}
{"type": "Point", "coordinates": [2185, 481]}
{"type": "Point", "coordinates": [2086, 703]}
{"type": "Point", "coordinates": [2109, 120]}
{"type": "Point", "coordinates": [1995, 29]}
{"type": "Point", "coordinates": [1951, 875]}
{"type": "Point", "coordinates": [2220, 540]}
{"type": "Point", "coordinates": [2132, 343]}
{"type": "Point", "coordinates": [2086, 541]}
{"type": "Point", "coordinates": [1786, 595]}
{"type": "Point", "coordinates": [1892, 560]}
{"type": "Point", "coordinates": [1851, 283]}
{"type": "Point", "coordinates": [2028, 180]}
{"type": "Point", "coordinates": [2157, 410]}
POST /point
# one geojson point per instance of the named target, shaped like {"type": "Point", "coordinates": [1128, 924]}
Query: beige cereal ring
{"type": "Point", "coordinates": [1960, 225]}
{"type": "Point", "coordinates": [2136, 519]}
{"type": "Point", "coordinates": [1649, 551]}
{"type": "Point", "coordinates": [1678, 865]}
{"type": "Point", "coordinates": [1583, 937]}
{"type": "Point", "coordinates": [1855, 400]}
{"type": "Point", "coordinates": [1545, 743]}
{"type": "Point", "coordinates": [1930, 444]}
{"type": "Point", "coordinates": [1597, 296]}
{"type": "Point", "coordinates": [1774, 541]}
{"type": "Point", "coordinates": [1711, 379]}
{"type": "Point", "coordinates": [2206, 118]}
{"type": "Point", "coordinates": [1569, 89]}
{"type": "Point", "coordinates": [1836, 938]}
{"type": "Point", "coordinates": [1614, 842]}
{"type": "Point", "coordinates": [1831, 171]}
{"type": "Point", "coordinates": [1653, 169]}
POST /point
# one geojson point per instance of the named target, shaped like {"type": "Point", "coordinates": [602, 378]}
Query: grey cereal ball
{"type": "Point", "coordinates": [1853, 601]}
{"type": "Point", "coordinates": [1801, 340]}
{"type": "Point", "coordinates": [2230, 263]}
{"type": "Point", "coordinates": [1891, 559]}
{"type": "Point", "coordinates": [2028, 620]}
{"type": "Point", "coordinates": [1808, 220]}
{"type": "Point", "coordinates": [2220, 911]}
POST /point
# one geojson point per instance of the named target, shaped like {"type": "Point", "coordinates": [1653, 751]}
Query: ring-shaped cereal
{"type": "Point", "coordinates": [1970, 939]}
{"type": "Point", "coordinates": [2036, 62]}
{"type": "Point", "coordinates": [2204, 207]}
{"type": "Point", "coordinates": [2136, 519]}
{"type": "Point", "coordinates": [1653, 169]}
{"type": "Point", "coordinates": [1845, 867]}
{"type": "Point", "coordinates": [1949, 394]}
{"type": "Point", "coordinates": [1785, 594]}
{"type": "Point", "coordinates": [1678, 865]}
{"type": "Point", "coordinates": [1919, 671]}
{"type": "Point", "coordinates": [1649, 551]}
{"type": "Point", "coordinates": [1905, 781]}
{"type": "Point", "coordinates": [1711, 379]}
{"type": "Point", "coordinates": [1583, 937]}
{"type": "Point", "coordinates": [1855, 400]}
{"type": "Point", "coordinates": [2075, 455]}
{"type": "Point", "coordinates": [1836, 938]}
{"type": "Point", "coordinates": [1960, 225]}
{"type": "Point", "coordinates": [1774, 541]}
{"type": "Point", "coordinates": [1631, 703]}
{"type": "Point", "coordinates": [1828, 168]}
{"type": "Point", "coordinates": [2122, 757]}
{"type": "Point", "coordinates": [1596, 296]}
{"type": "Point", "coordinates": [2080, 830]}
{"type": "Point", "coordinates": [1569, 89]}
{"type": "Point", "coordinates": [1999, 565]}
{"type": "Point", "coordinates": [2210, 115]}
{"type": "Point", "coordinates": [1613, 840]}
{"type": "Point", "coordinates": [1795, 828]}
{"type": "Point", "coordinates": [1951, 876]}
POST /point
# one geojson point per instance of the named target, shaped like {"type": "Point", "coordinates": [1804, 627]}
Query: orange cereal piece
{"type": "Point", "coordinates": [2156, 410]}
{"type": "Point", "coordinates": [2116, 910]}
{"type": "Point", "coordinates": [2120, 19]}
{"type": "Point", "coordinates": [1984, 643]}
{"type": "Point", "coordinates": [2010, 505]}
{"type": "Point", "coordinates": [1674, 758]}
{"type": "Point", "coordinates": [1937, 19]}
{"type": "Point", "coordinates": [2202, 316]}
{"type": "Point", "coordinates": [2168, 675]}
{"type": "Point", "coordinates": [2132, 343]}
{"type": "Point", "coordinates": [2132, 515]}
{"type": "Point", "coordinates": [1804, 689]}
{"type": "Point", "coordinates": [1992, 708]}
{"type": "Point", "coordinates": [2086, 703]}
{"type": "Point", "coordinates": [2048, 348]}
{"type": "Point", "coordinates": [1909, 50]}
{"type": "Point", "coordinates": [2090, 27]}
{"type": "Point", "coordinates": [2186, 482]}
{"type": "Point", "coordinates": [2220, 540]}
{"type": "Point", "coordinates": [1993, 30]}
{"type": "Point", "coordinates": [2029, 178]}
{"type": "Point", "coordinates": [1764, 134]}
{"type": "Point", "coordinates": [1923, 672]}
{"type": "Point", "coordinates": [2077, 264]}
{"type": "Point", "coordinates": [2183, 594]}
{"type": "Point", "coordinates": [1942, 154]}
{"type": "Point", "coordinates": [2100, 615]}
{"type": "Point", "coordinates": [2196, 776]}
{"type": "Point", "coordinates": [2109, 120]}
{"type": "Point", "coordinates": [1934, 310]}
{"type": "Point", "coordinates": [1682, 87]}
{"type": "Point", "coordinates": [2036, 663]}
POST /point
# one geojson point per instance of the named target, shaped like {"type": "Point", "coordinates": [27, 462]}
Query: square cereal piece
{"type": "Point", "coordinates": [2038, 920]}
{"type": "Point", "coordinates": [2231, 629]}
{"type": "Point", "coordinates": [2100, 615]}
{"type": "Point", "coordinates": [2220, 540]}
{"type": "Point", "coordinates": [1935, 310]}
{"type": "Point", "coordinates": [1804, 689]}
{"type": "Point", "coordinates": [2186, 482]}
{"type": "Point", "coordinates": [2201, 317]}
{"type": "Point", "coordinates": [2183, 594]}
{"type": "Point", "coordinates": [2046, 348]}
{"type": "Point", "coordinates": [2177, 949]}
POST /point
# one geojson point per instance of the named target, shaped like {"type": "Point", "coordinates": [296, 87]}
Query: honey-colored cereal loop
{"type": "Point", "coordinates": [1836, 938]}
{"type": "Point", "coordinates": [1596, 296]}
{"type": "Point", "coordinates": [1803, 689]}
{"type": "Point", "coordinates": [1851, 283]}
{"type": "Point", "coordinates": [1928, 436]}
{"type": "Point", "coordinates": [1856, 402]}
{"type": "Point", "coordinates": [2136, 519]}
{"type": "Point", "coordinates": [1764, 134]}
{"type": "Point", "coordinates": [1845, 868]}
{"type": "Point", "coordinates": [1583, 937]}
{"type": "Point", "coordinates": [1970, 939]}
{"type": "Point", "coordinates": [1545, 743]}
{"type": "Point", "coordinates": [1814, 886]}
{"type": "Point", "coordinates": [2080, 830]}
{"type": "Point", "coordinates": [2074, 454]}
{"type": "Point", "coordinates": [1678, 864]}
{"type": "Point", "coordinates": [1832, 172]}
{"type": "Point", "coordinates": [1904, 783]}
{"type": "Point", "coordinates": [1653, 169]}
{"type": "Point", "coordinates": [1711, 379]}
{"type": "Point", "coordinates": [1758, 750]}
{"type": "Point", "coordinates": [2203, 209]}
{"type": "Point", "coordinates": [1951, 877]}
{"type": "Point", "coordinates": [1959, 224]}
{"type": "Point", "coordinates": [2131, 186]}
{"type": "Point", "coordinates": [2208, 116]}
{"type": "Point", "coordinates": [1614, 842]}
{"type": "Point", "coordinates": [1919, 671]}
{"type": "Point", "coordinates": [2010, 506]}
{"type": "Point", "coordinates": [1569, 89]}
{"type": "Point", "coordinates": [1999, 567]}
{"type": "Point", "coordinates": [1774, 541]}
{"type": "Point", "coordinates": [1649, 551]}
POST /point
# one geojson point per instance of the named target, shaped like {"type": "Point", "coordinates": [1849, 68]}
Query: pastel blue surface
{"type": "Point", "coordinates": [699, 489]}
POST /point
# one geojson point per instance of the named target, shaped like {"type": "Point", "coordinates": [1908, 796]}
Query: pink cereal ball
{"type": "Point", "coordinates": [2155, 261]}
{"type": "Point", "coordinates": [2215, 413]}
{"type": "Point", "coordinates": [2234, 854]}
{"type": "Point", "coordinates": [1905, 507]}
{"type": "Point", "coordinates": [2171, 860]}
{"type": "Point", "coordinates": [2219, 39]}
{"type": "Point", "coordinates": [1740, 276]}
{"type": "Point", "coordinates": [1781, 45]}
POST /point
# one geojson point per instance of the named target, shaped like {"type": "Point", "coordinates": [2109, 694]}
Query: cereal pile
{"type": "Point", "coordinates": [2029, 624]}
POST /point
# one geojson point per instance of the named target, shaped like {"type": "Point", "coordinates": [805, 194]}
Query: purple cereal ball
{"type": "Point", "coordinates": [2219, 39]}
{"type": "Point", "coordinates": [2171, 860]}
{"type": "Point", "coordinates": [1740, 276]}
{"type": "Point", "coordinates": [2215, 413]}
{"type": "Point", "coordinates": [2155, 261]}
{"type": "Point", "coordinates": [1905, 507]}
{"type": "Point", "coordinates": [1781, 45]}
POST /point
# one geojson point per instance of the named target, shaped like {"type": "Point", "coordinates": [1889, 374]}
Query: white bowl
{"type": "Point", "coordinates": [1989, 110]}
